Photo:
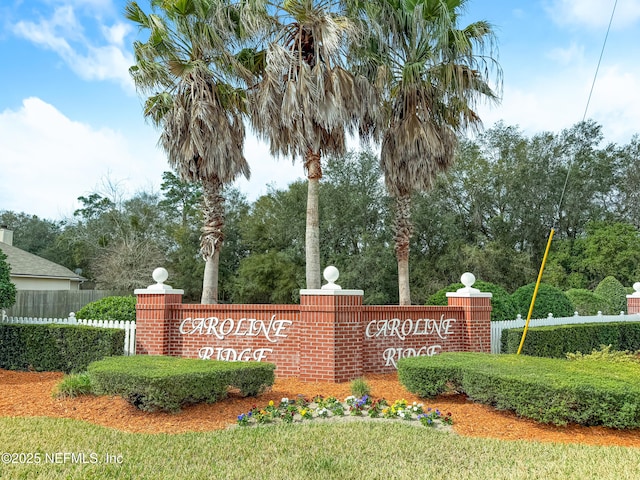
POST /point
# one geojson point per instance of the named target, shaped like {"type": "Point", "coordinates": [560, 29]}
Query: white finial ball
{"type": "Point", "coordinates": [636, 286]}
{"type": "Point", "coordinates": [331, 274]}
{"type": "Point", "coordinates": [160, 275]}
{"type": "Point", "coordinates": [468, 279]}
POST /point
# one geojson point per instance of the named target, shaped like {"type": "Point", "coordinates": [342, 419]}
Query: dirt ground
{"type": "Point", "coordinates": [28, 394]}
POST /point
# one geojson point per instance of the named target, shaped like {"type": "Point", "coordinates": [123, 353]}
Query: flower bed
{"type": "Point", "coordinates": [301, 409]}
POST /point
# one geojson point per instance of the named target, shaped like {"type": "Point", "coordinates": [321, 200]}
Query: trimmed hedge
{"type": "Point", "coordinates": [557, 341]}
{"type": "Point", "coordinates": [51, 347]}
{"type": "Point", "coordinates": [546, 390]}
{"type": "Point", "coordinates": [164, 383]}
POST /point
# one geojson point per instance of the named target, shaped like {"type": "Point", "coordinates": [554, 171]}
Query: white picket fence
{"type": "Point", "coordinates": [128, 327]}
{"type": "Point", "coordinates": [497, 327]}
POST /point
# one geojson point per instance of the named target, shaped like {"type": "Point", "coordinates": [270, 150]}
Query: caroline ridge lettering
{"type": "Point", "coordinates": [404, 328]}
{"type": "Point", "coordinates": [249, 327]}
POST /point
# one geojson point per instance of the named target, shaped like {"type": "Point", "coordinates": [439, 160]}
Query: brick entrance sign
{"type": "Point", "coordinates": [329, 336]}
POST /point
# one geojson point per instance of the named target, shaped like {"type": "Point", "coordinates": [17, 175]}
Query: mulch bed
{"type": "Point", "coordinates": [28, 394]}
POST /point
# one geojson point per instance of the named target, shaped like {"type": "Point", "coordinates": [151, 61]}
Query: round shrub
{"type": "Point", "coordinates": [586, 302]}
{"type": "Point", "coordinates": [110, 308]}
{"type": "Point", "coordinates": [614, 293]}
{"type": "Point", "coordinates": [549, 300]}
{"type": "Point", "coordinates": [502, 306]}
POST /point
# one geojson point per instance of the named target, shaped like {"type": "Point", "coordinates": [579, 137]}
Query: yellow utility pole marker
{"type": "Point", "coordinates": [535, 291]}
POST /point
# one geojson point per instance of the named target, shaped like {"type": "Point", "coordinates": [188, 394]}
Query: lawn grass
{"type": "Point", "coordinates": [316, 450]}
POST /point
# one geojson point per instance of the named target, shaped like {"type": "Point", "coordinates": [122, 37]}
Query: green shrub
{"type": "Point", "coordinates": [7, 287]}
{"type": "Point", "coordinates": [73, 385]}
{"type": "Point", "coordinates": [51, 347]}
{"type": "Point", "coordinates": [110, 308]}
{"type": "Point", "coordinates": [360, 387]}
{"type": "Point", "coordinates": [166, 383]}
{"type": "Point", "coordinates": [548, 300]}
{"type": "Point", "coordinates": [606, 354]}
{"type": "Point", "coordinates": [502, 306]}
{"type": "Point", "coordinates": [587, 302]}
{"type": "Point", "coordinates": [546, 390]}
{"type": "Point", "coordinates": [614, 293]}
{"type": "Point", "coordinates": [557, 341]}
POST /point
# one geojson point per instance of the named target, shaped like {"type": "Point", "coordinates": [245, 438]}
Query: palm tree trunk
{"type": "Point", "coordinates": [210, 279]}
{"type": "Point", "coordinates": [212, 237]}
{"type": "Point", "coordinates": [312, 233]}
{"type": "Point", "coordinates": [403, 232]}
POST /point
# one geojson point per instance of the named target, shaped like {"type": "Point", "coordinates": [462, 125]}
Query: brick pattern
{"type": "Point", "coordinates": [633, 305]}
{"type": "Point", "coordinates": [153, 322]}
{"type": "Point", "coordinates": [331, 337]}
{"type": "Point", "coordinates": [325, 338]}
{"type": "Point", "coordinates": [477, 314]}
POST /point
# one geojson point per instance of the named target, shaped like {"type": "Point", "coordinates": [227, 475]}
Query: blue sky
{"type": "Point", "coordinates": [71, 122]}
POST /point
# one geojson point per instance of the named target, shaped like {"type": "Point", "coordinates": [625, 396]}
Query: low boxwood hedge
{"type": "Point", "coordinates": [544, 389]}
{"type": "Point", "coordinates": [51, 347]}
{"type": "Point", "coordinates": [557, 341]}
{"type": "Point", "coordinates": [166, 383]}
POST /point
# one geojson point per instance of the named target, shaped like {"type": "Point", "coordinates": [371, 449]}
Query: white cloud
{"type": "Point", "coordinates": [63, 35]}
{"type": "Point", "coordinates": [48, 160]}
{"type": "Point", "coordinates": [116, 34]}
{"type": "Point", "coordinates": [92, 5]}
{"type": "Point", "coordinates": [558, 100]}
{"type": "Point", "coordinates": [594, 13]}
{"type": "Point", "coordinates": [565, 56]}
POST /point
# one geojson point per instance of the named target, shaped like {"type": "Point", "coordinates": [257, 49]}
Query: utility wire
{"type": "Point", "coordinates": [564, 189]}
{"type": "Point", "coordinates": [584, 115]}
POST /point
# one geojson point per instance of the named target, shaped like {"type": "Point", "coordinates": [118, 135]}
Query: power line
{"type": "Point", "coordinates": [586, 109]}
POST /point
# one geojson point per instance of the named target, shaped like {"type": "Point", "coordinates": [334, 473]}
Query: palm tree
{"type": "Point", "coordinates": [184, 67]}
{"type": "Point", "coordinates": [305, 101]}
{"type": "Point", "coordinates": [433, 75]}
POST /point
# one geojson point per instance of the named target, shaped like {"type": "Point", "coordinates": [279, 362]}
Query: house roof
{"type": "Point", "coordinates": [25, 264]}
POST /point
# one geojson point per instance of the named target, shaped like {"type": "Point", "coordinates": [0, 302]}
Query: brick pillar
{"type": "Point", "coordinates": [331, 335]}
{"type": "Point", "coordinates": [633, 300]}
{"type": "Point", "coordinates": [477, 314]}
{"type": "Point", "coordinates": [155, 308]}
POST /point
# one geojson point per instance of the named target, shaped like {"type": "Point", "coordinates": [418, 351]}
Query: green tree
{"type": "Point", "coordinates": [627, 204]}
{"type": "Point", "coordinates": [306, 101]}
{"type": "Point", "coordinates": [267, 278]}
{"type": "Point", "coordinates": [7, 287]}
{"type": "Point", "coordinates": [181, 207]}
{"type": "Point", "coordinates": [355, 224]}
{"type": "Point", "coordinates": [31, 233]}
{"type": "Point", "coordinates": [271, 235]}
{"type": "Point", "coordinates": [434, 73]}
{"type": "Point", "coordinates": [187, 70]}
{"type": "Point", "coordinates": [612, 250]}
